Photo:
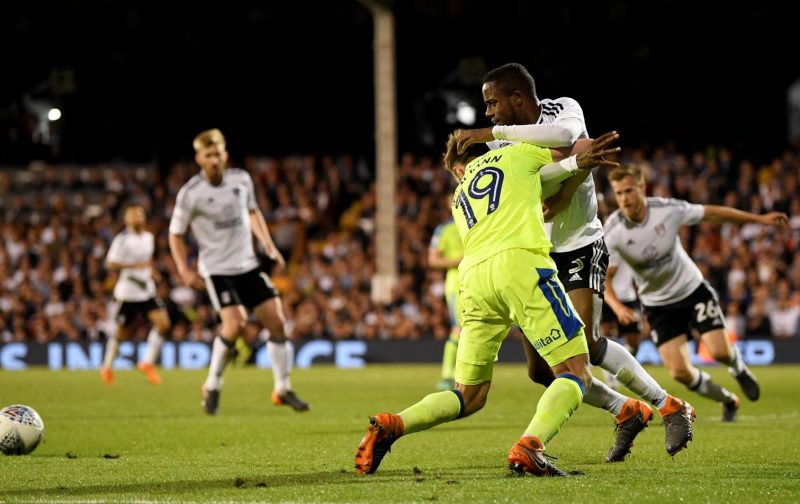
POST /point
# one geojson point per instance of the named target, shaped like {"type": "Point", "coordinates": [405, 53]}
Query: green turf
{"type": "Point", "coordinates": [168, 450]}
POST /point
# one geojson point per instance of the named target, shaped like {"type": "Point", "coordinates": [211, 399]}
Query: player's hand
{"type": "Point", "coordinates": [190, 278]}
{"type": "Point", "coordinates": [600, 147]}
{"type": "Point", "coordinates": [280, 263]}
{"type": "Point", "coordinates": [777, 219]}
{"type": "Point", "coordinates": [626, 315]}
{"type": "Point", "coordinates": [471, 137]}
{"type": "Point", "coordinates": [270, 261]}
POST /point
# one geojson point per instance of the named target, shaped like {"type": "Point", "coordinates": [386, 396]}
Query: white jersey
{"type": "Point", "coordinates": [577, 225]}
{"type": "Point", "coordinates": [133, 284]}
{"type": "Point", "coordinates": [219, 217]}
{"type": "Point", "coordinates": [662, 270]}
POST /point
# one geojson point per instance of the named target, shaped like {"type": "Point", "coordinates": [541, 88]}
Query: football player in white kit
{"type": "Point", "coordinates": [131, 252]}
{"type": "Point", "coordinates": [219, 205]}
{"type": "Point", "coordinates": [576, 234]}
{"type": "Point", "coordinates": [676, 299]}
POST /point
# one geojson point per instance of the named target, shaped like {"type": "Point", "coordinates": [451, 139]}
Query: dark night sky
{"type": "Point", "coordinates": [297, 77]}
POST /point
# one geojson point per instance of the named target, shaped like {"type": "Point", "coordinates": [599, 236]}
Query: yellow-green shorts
{"type": "Point", "coordinates": [515, 286]}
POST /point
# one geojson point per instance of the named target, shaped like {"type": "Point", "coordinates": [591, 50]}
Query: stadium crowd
{"type": "Point", "coordinates": [56, 224]}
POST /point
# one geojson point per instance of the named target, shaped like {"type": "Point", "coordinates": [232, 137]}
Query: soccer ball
{"type": "Point", "coordinates": [21, 429]}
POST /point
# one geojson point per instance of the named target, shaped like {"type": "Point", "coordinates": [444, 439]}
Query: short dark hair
{"type": "Point", "coordinates": [512, 77]}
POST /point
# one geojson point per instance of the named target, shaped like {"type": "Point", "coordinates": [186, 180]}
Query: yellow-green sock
{"type": "Point", "coordinates": [432, 410]}
{"type": "Point", "coordinates": [449, 358]}
{"type": "Point", "coordinates": [556, 405]}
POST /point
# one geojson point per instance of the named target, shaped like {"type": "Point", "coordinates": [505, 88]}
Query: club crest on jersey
{"type": "Point", "coordinates": [661, 229]}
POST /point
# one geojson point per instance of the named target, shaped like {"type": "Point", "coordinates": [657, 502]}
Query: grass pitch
{"type": "Point", "coordinates": [136, 442]}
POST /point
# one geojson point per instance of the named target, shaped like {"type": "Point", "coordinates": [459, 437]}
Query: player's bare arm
{"type": "Point", "coordinates": [719, 214]}
{"type": "Point", "coordinates": [189, 277]}
{"type": "Point", "coordinates": [261, 232]}
{"type": "Point", "coordinates": [624, 314]}
{"type": "Point", "coordinates": [465, 138]}
{"type": "Point", "coordinates": [436, 259]}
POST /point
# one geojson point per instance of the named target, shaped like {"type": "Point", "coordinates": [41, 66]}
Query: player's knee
{"type": "Point", "coordinates": [474, 397]}
{"type": "Point", "coordinates": [232, 329]}
{"type": "Point", "coordinates": [721, 354]}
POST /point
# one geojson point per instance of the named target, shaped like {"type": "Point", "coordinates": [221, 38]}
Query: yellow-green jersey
{"type": "Point", "coordinates": [447, 241]}
{"type": "Point", "coordinates": [497, 205]}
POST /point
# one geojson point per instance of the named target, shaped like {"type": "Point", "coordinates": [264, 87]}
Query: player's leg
{"type": "Point", "coordinates": [474, 364]}
{"type": "Point", "coordinates": [447, 381]}
{"type": "Point", "coordinates": [281, 353]}
{"type": "Point", "coordinates": [608, 328]}
{"type": "Point", "coordinates": [159, 319]}
{"type": "Point", "coordinates": [112, 349]}
{"type": "Point", "coordinates": [583, 272]}
{"type": "Point", "coordinates": [709, 321]}
{"type": "Point", "coordinates": [233, 319]}
{"type": "Point", "coordinates": [483, 330]}
{"type": "Point", "coordinates": [539, 371]}
{"type": "Point", "coordinates": [726, 353]}
{"type": "Point", "coordinates": [121, 316]}
{"type": "Point", "coordinates": [583, 275]}
{"type": "Point", "coordinates": [547, 318]}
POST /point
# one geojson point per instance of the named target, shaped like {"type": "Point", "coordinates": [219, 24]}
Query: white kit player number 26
{"type": "Point", "coordinates": [705, 311]}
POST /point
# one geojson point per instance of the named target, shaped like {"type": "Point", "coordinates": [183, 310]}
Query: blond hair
{"type": "Point", "coordinates": [208, 138]}
{"type": "Point", "coordinates": [622, 171]}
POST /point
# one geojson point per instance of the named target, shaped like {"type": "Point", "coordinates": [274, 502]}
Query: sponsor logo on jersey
{"type": "Point", "coordinates": [226, 224]}
{"type": "Point", "coordinates": [555, 335]}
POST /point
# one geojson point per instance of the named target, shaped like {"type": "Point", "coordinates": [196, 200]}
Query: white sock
{"type": "Point", "coordinates": [154, 342]}
{"type": "Point", "coordinates": [279, 354]}
{"type": "Point", "coordinates": [610, 380]}
{"type": "Point", "coordinates": [702, 384]}
{"type": "Point", "coordinates": [289, 364]}
{"type": "Point", "coordinates": [112, 346]}
{"type": "Point", "coordinates": [600, 396]}
{"type": "Point", "coordinates": [221, 354]}
{"type": "Point", "coordinates": [631, 374]}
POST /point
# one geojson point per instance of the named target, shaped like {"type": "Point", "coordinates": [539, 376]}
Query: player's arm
{"type": "Point", "coordinates": [178, 249]}
{"type": "Point", "coordinates": [624, 314]}
{"type": "Point", "coordinates": [584, 155]}
{"type": "Point", "coordinates": [564, 132]}
{"type": "Point", "coordinates": [720, 214]}
{"type": "Point", "coordinates": [591, 153]}
{"type": "Point", "coordinates": [437, 260]}
{"type": "Point", "coordinates": [261, 232]}
{"type": "Point", "coordinates": [178, 225]}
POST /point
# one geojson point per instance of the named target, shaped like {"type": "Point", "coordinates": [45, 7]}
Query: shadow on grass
{"type": "Point", "coordinates": [255, 483]}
